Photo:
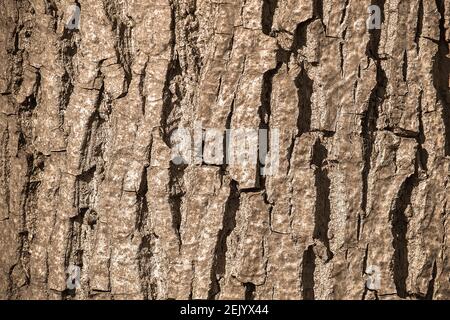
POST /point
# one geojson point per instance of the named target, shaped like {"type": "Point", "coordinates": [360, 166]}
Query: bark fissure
{"type": "Point", "coordinates": [87, 180]}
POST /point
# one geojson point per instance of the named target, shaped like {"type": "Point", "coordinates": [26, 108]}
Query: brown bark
{"type": "Point", "coordinates": [86, 177]}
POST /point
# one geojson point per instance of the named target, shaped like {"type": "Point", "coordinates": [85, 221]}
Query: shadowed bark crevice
{"type": "Point", "coordinates": [441, 74]}
{"type": "Point", "coordinates": [264, 115]}
{"type": "Point", "coordinates": [307, 276]}
{"type": "Point", "coordinates": [430, 289]}
{"type": "Point", "coordinates": [228, 224]}
{"type": "Point", "coordinates": [369, 128]}
{"type": "Point", "coordinates": [176, 187]}
{"type": "Point", "coordinates": [399, 230]}
{"type": "Point", "coordinates": [305, 87]}
{"type": "Point", "coordinates": [419, 26]}
{"type": "Point", "coordinates": [268, 11]}
{"type": "Point", "coordinates": [249, 291]}
{"type": "Point", "coordinates": [171, 102]}
{"type": "Point", "coordinates": [322, 205]}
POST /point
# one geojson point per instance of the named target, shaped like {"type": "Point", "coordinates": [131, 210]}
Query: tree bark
{"type": "Point", "coordinates": [86, 176]}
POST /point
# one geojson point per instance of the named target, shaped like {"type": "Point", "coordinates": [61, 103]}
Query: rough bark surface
{"type": "Point", "coordinates": [86, 178]}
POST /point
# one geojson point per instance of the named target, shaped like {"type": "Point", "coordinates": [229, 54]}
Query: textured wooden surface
{"type": "Point", "coordinates": [86, 180]}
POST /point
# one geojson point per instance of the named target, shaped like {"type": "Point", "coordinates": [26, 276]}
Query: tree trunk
{"type": "Point", "coordinates": [93, 205]}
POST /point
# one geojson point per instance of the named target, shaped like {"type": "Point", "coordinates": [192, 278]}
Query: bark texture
{"type": "Point", "coordinates": [86, 178]}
